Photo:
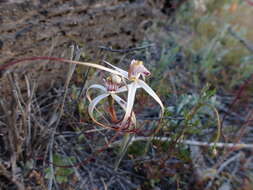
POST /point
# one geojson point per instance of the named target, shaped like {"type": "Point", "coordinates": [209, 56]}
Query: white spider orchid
{"type": "Point", "coordinates": [110, 90]}
{"type": "Point", "coordinates": [136, 70]}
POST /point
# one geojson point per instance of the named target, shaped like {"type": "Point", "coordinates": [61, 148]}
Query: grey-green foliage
{"type": "Point", "coordinates": [61, 174]}
{"type": "Point", "coordinates": [196, 113]}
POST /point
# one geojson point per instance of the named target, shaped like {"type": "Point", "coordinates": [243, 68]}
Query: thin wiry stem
{"type": "Point", "coordinates": [193, 143]}
{"type": "Point", "coordinates": [125, 50]}
{"type": "Point", "coordinates": [111, 109]}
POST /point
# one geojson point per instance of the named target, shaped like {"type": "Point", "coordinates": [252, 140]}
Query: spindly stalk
{"type": "Point", "coordinates": [112, 112]}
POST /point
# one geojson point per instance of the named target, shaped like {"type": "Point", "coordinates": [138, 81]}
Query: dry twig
{"type": "Point", "coordinates": [192, 143]}
{"type": "Point", "coordinates": [241, 40]}
{"type": "Point", "coordinates": [125, 50]}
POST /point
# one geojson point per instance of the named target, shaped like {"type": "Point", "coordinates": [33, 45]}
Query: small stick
{"type": "Point", "coordinates": [241, 40]}
{"type": "Point", "coordinates": [221, 168]}
{"type": "Point", "coordinates": [125, 50]}
{"type": "Point", "coordinates": [193, 143]}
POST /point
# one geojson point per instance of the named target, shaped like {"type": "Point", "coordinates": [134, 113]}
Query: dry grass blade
{"type": "Point", "coordinates": [31, 87]}
{"type": "Point", "coordinates": [75, 54]}
{"type": "Point", "coordinates": [9, 176]}
{"type": "Point", "coordinates": [16, 128]}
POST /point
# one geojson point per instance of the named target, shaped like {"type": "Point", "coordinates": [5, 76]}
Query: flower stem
{"type": "Point", "coordinates": [126, 141]}
{"type": "Point", "coordinates": [111, 109]}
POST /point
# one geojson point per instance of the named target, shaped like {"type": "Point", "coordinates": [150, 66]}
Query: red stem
{"type": "Point", "coordinates": [5, 66]}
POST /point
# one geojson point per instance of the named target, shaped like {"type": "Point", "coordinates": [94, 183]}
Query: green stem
{"type": "Point", "coordinates": [123, 148]}
{"type": "Point", "coordinates": [197, 108]}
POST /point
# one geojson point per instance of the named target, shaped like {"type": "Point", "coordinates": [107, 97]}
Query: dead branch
{"type": "Point", "coordinates": [192, 143]}
{"type": "Point", "coordinates": [241, 40]}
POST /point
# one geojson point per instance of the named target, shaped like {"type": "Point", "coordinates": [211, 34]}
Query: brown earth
{"type": "Point", "coordinates": [48, 28]}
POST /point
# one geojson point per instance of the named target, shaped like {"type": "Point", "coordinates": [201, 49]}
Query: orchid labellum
{"type": "Point", "coordinates": [113, 86]}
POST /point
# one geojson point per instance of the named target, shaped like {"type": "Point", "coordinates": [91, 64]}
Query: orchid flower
{"type": "Point", "coordinates": [110, 90]}
{"type": "Point", "coordinates": [136, 70]}
{"type": "Point", "coordinates": [112, 87]}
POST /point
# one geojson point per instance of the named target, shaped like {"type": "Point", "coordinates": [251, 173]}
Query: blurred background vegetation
{"type": "Point", "coordinates": [200, 54]}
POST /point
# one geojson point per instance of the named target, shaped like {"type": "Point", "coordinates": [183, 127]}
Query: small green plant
{"type": "Point", "coordinates": [197, 117]}
{"type": "Point", "coordinates": [61, 174]}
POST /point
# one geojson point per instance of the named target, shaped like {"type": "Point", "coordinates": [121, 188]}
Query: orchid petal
{"type": "Point", "coordinates": [130, 101]}
{"type": "Point", "coordinates": [123, 104]}
{"type": "Point", "coordinates": [124, 88]}
{"type": "Point", "coordinates": [123, 73]}
{"type": "Point", "coordinates": [92, 106]}
{"type": "Point", "coordinates": [150, 91]}
{"type": "Point", "coordinates": [96, 86]}
{"type": "Point", "coordinates": [116, 72]}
